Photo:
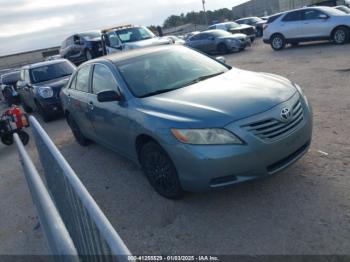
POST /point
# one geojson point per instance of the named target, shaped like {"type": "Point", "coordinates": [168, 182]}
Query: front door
{"type": "Point", "coordinates": [109, 119]}
{"type": "Point", "coordinates": [316, 24]}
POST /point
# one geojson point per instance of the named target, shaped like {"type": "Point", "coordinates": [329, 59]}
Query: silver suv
{"type": "Point", "coordinates": [307, 24]}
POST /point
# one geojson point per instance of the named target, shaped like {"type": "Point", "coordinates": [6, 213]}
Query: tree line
{"type": "Point", "coordinates": [198, 18]}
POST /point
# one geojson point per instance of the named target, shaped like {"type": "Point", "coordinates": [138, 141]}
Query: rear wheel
{"type": "Point", "coordinates": [7, 139]}
{"type": "Point", "coordinates": [341, 35]}
{"type": "Point", "coordinates": [222, 49]}
{"type": "Point", "coordinates": [278, 42]}
{"type": "Point", "coordinates": [23, 136]}
{"type": "Point", "coordinates": [78, 135]}
{"type": "Point", "coordinates": [160, 171]}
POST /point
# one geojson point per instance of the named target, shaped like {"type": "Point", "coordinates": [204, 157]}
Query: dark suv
{"type": "Point", "coordinates": [82, 47]}
{"type": "Point", "coordinates": [41, 84]}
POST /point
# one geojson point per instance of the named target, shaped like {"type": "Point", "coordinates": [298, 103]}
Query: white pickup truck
{"type": "Point", "coordinates": [128, 37]}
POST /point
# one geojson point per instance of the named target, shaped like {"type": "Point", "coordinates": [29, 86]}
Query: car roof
{"type": "Point", "coordinates": [130, 54]}
{"type": "Point", "coordinates": [244, 18]}
{"type": "Point", "coordinates": [225, 23]}
{"type": "Point", "coordinates": [45, 63]}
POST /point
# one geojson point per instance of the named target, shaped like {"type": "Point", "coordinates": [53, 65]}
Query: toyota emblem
{"type": "Point", "coordinates": [286, 114]}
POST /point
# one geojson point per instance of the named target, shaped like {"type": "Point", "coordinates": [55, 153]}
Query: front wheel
{"type": "Point", "coordinates": [222, 48]}
{"type": "Point", "coordinates": [160, 171]}
{"type": "Point", "coordinates": [278, 42]}
{"type": "Point", "coordinates": [341, 35]}
{"type": "Point", "coordinates": [44, 115]}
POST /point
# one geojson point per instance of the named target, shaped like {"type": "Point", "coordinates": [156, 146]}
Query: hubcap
{"type": "Point", "coordinates": [159, 171]}
{"type": "Point", "coordinates": [339, 36]}
{"type": "Point", "coordinates": [277, 42]}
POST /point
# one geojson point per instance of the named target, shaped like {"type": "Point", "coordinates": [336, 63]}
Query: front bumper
{"type": "Point", "coordinates": [52, 106]}
{"type": "Point", "coordinates": [201, 168]}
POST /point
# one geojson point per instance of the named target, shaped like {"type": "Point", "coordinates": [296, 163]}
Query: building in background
{"type": "Point", "coordinates": [268, 7]}
{"type": "Point", "coordinates": [25, 58]}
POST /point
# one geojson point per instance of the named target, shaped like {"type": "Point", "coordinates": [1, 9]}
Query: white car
{"type": "Point", "coordinates": [307, 24]}
{"type": "Point", "coordinates": [129, 37]}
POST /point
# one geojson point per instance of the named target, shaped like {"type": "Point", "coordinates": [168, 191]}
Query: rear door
{"type": "Point", "coordinates": [79, 97]}
{"type": "Point", "coordinates": [291, 24]}
{"type": "Point", "coordinates": [109, 119]}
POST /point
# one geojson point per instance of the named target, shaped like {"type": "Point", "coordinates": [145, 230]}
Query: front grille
{"type": "Point", "coordinates": [272, 129]}
{"type": "Point", "coordinates": [248, 31]}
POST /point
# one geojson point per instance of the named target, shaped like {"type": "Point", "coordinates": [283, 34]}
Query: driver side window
{"type": "Point", "coordinates": [113, 39]}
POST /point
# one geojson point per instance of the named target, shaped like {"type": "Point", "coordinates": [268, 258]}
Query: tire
{"type": "Point", "coordinates": [23, 136]}
{"type": "Point", "coordinates": [27, 108]}
{"type": "Point", "coordinates": [278, 42]}
{"type": "Point", "coordinates": [259, 32]}
{"type": "Point", "coordinates": [7, 139]}
{"type": "Point", "coordinates": [78, 135]}
{"type": "Point", "coordinates": [341, 35]}
{"type": "Point", "coordinates": [41, 111]}
{"type": "Point", "coordinates": [160, 171]}
{"type": "Point", "coordinates": [88, 55]}
{"type": "Point", "coordinates": [222, 49]}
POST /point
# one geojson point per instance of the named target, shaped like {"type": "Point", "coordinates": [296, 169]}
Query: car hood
{"type": "Point", "coordinates": [57, 83]}
{"type": "Point", "coordinates": [220, 100]}
{"type": "Point", "coordinates": [148, 42]}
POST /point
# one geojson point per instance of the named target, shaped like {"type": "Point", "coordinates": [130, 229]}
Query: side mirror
{"type": "Point", "coordinates": [221, 59]}
{"type": "Point", "coordinates": [108, 96]}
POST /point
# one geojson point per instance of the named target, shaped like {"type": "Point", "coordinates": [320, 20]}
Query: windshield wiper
{"type": "Point", "coordinates": [201, 78]}
{"type": "Point", "coordinates": [158, 92]}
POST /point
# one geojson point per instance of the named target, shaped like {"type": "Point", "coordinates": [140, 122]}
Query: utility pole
{"type": "Point", "coordinates": [205, 13]}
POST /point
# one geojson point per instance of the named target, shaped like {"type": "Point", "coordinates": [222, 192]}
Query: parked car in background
{"type": "Point", "coordinates": [235, 28]}
{"type": "Point", "coordinates": [218, 41]}
{"type": "Point", "coordinates": [40, 86]}
{"type": "Point", "coordinates": [188, 35]}
{"type": "Point", "coordinates": [307, 24]}
{"type": "Point", "coordinates": [53, 57]}
{"type": "Point", "coordinates": [82, 47]}
{"type": "Point", "coordinates": [192, 123]}
{"type": "Point", "coordinates": [343, 8]}
{"type": "Point", "coordinates": [257, 22]}
{"type": "Point", "coordinates": [176, 40]}
{"type": "Point", "coordinates": [9, 87]}
{"type": "Point", "coordinates": [126, 37]}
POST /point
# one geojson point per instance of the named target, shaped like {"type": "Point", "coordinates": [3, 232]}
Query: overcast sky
{"type": "Point", "coordinates": [33, 24]}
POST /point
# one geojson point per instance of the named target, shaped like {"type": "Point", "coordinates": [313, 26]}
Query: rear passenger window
{"type": "Point", "coordinates": [82, 79]}
{"type": "Point", "coordinates": [312, 14]}
{"type": "Point", "coordinates": [102, 79]}
{"type": "Point", "coordinates": [292, 16]}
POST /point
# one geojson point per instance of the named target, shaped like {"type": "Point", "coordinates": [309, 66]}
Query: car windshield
{"type": "Point", "coordinates": [232, 25]}
{"type": "Point", "coordinates": [344, 9]}
{"type": "Point", "coordinates": [332, 11]}
{"type": "Point", "coordinates": [51, 71]}
{"type": "Point", "coordinates": [167, 70]}
{"type": "Point", "coordinates": [220, 33]}
{"type": "Point", "coordinates": [257, 19]}
{"type": "Point", "coordinates": [134, 34]}
{"type": "Point", "coordinates": [91, 35]}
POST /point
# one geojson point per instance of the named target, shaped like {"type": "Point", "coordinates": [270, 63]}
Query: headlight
{"type": "Point", "coordinates": [214, 136]}
{"type": "Point", "coordinates": [45, 91]}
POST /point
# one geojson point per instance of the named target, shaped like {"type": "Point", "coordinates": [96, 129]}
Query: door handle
{"type": "Point", "coordinates": [91, 105]}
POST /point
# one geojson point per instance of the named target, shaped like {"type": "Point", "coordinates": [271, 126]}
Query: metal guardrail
{"type": "Point", "coordinates": [55, 232]}
{"type": "Point", "coordinates": [94, 237]}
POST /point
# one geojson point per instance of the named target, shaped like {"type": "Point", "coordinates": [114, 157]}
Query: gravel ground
{"type": "Point", "coordinates": [303, 210]}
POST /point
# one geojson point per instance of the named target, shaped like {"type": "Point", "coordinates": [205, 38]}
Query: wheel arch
{"type": "Point", "coordinates": [141, 140]}
{"type": "Point", "coordinates": [338, 26]}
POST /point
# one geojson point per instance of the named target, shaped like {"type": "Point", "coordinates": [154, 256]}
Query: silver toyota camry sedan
{"type": "Point", "coordinates": [191, 122]}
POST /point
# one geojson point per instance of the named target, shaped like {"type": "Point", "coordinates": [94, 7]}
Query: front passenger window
{"type": "Point", "coordinates": [102, 79]}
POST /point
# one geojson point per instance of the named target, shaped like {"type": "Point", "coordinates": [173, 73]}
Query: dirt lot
{"type": "Point", "coordinates": [303, 210]}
